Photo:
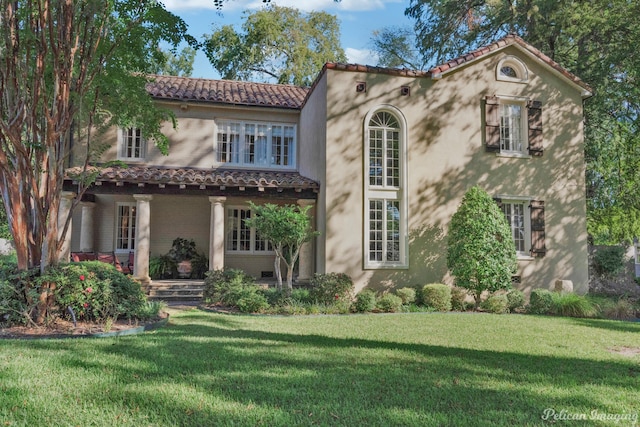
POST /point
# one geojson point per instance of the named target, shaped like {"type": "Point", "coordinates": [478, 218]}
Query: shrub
{"type": "Point", "coordinates": [458, 298]}
{"type": "Point", "coordinates": [228, 287]}
{"type": "Point", "coordinates": [408, 295]}
{"type": "Point", "coordinates": [572, 305]}
{"type": "Point", "coordinates": [437, 296]}
{"type": "Point", "coordinates": [623, 309]}
{"type": "Point", "coordinates": [331, 287]}
{"type": "Point", "coordinates": [151, 309]}
{"type": "Point", "coordinates": [252, 302]}
{"type": "Point", "coordinates": [481, 254]}
{"type": "Point", "coordinates": [515, 299]}
{"type": "Point", "coordinates": [540, 302]}
{"type": "Point", "coordinates": [14, 301]}
{"type": "Point", "coordinates": [389, 303]}
{"type": "Point", "coordinates": [301, 295]}
{"type": "Point", "coordinates": [365, 301]}
{"type": "Point", "coordinates": [162, 267]}
{"type": "Point", "coordinates": [609, 261]}
{"type": "Point", "coordinates": [497, 304]}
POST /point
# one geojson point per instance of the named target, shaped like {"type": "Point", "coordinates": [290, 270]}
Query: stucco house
{"type": "Point", "coordinates": [383, 156]}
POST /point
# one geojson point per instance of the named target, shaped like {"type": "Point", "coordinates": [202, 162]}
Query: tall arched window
{"type": "Point", "coordinates": [385, 227]}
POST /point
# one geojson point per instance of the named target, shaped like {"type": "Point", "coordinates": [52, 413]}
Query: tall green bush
{"type": "Point", "coordinates": [481, 254]}
{"type": "Point", "coordinates": [330, 288]}
{"type": "Point", "coordinates": [609, 261]}
{"type": "Point", "coordinates": [540, 302]}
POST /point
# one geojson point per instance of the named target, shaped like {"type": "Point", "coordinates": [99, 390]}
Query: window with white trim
{"type": "Point", "coordinates": [512, 69]}
{"type": "Point", "coordinates": [132, 145]}
{"type": "Point", "coordinates": [240, 237]}
{"type": "Point", "coordinates": [516, 212]}
{"type": "Point", "coordinates": [512, 127]}
{"type": "Point", "coordinates": [385, 191]}
{"type": "Point", "coordinates": [526, 220]}
{"type": "Point", "coordinates": [125, 226]}
{"type": "Point", "coordinates": [270, 145]}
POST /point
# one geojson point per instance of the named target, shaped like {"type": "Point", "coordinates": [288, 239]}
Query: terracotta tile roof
{"type": "Point", "coordinates": [464, 59]}
{"type": "Point", "coordinates": [502, 43]}
{"type": "Point", "coordinates": [193, 176]}
{"type": "Point", "coordinates": [226, 92]}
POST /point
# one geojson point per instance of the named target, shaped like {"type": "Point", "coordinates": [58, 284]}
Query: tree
{"type": "Point", "coordinates": [180, 64]}
{"type": "Point", "coordinates": [287, 228]}
{"type": "Point", "coordinates": [481, 253]}
{"type": "Point", "coordinates": [594, 39]}
{"type": "Point", "coordinates": [396, 48]}
{"type": "Point", "coordinates": [277, 43]}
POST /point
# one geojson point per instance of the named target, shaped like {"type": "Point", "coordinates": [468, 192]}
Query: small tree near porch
{"type": "Point", "coordinates": [287, 227]}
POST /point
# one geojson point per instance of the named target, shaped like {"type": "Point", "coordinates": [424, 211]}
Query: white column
{"type": "Point", "coordinates": [305, 259]}
{"type": "Point", "coordinates": [216, 233]}
{"type": "Point", "coordinates": [66, 199]}
{"type": "Point", "coordinates": [143, 237]}
{"type": "Point", "coordinates": [86, 227]}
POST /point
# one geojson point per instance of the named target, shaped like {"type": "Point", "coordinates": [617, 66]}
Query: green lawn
{"type": "Point", "coordinates": [452, 369]}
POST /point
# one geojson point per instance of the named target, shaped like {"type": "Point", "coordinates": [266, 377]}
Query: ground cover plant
{"type": "Point", "coordinates": [417, 369]}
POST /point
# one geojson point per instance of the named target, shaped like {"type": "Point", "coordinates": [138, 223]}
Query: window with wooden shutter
{"type": "Point", "coordinates": [538, 248]}
{"type": "Point", "coordinates": [534, 116]}
{"type": "Point", "coordinates": [492, 123]}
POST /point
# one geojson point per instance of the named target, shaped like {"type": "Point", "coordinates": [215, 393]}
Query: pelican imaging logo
{"type": "Point", "coordinates": [551, 414]}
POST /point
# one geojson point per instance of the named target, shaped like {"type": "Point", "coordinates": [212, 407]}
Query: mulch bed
{"type": "Point", "coordinates": [62, 328]}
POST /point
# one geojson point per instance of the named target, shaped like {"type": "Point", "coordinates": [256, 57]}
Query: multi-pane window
{"type": "Point", "coordinates": [240, 237]}
{"type": "Point", "coordinates": [384, 150]}
{"type": "Point", "coordinates": [515, 214]}
{"type": "Point", "coordinates": [132, 145]}
{"type": "Point", "coordinates": [126, 226]}
{"type": "Point", "coordinates": [511, 127]}
{"type": "Point", "coordinates": [256, 144]}
{"type": "Point", "coordinates": [384, 230]}
{"type": "Point", "coordinates": [385, 218]}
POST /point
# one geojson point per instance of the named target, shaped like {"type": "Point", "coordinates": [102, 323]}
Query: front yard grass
{"type": "Point", "coordinates": [422, 369]}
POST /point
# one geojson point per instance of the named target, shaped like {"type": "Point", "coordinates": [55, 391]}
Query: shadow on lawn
{"type": "Point", "coordinates": [293, 379]}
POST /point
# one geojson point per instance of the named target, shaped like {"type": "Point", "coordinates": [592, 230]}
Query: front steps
{"type": "Point", "coordinates": [172, 291]}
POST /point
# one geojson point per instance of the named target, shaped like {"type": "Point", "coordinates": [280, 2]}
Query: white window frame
{"type": "Point", "coordinates": [131, 227]}
{"type": "Point", "coordinates": [252, 235]}
{"type": "Point", "coordinates": [125, 142]}
{"type": "Point", "coordinates": [525, 201]}
{"type": "Point", "coordinates": [386, 193]}
{"type": "Point", "coordinates": [238, 151]}
{"type": "Point", "coordinates": [513, 62]}
{"type": "Point", "coordinates": [523, 127]}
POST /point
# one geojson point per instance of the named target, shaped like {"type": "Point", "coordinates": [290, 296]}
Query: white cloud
{"type": "Point", "coordinates": [306, 5]}
{"type": "Point", "coordinates": [361, 56]}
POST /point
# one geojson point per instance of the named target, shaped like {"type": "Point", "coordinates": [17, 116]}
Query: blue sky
{"type": "Point", "coordinates": [358, 19]}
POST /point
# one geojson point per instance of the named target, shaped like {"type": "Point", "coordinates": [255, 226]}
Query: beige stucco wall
{"type": "Point", "coordinates": [192, 141]}
{"type": "Point", "coordinates": [446, 156]}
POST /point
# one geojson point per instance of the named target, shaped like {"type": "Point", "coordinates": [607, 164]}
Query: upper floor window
{"type": "Point", "coordinates": [131, 144]}
{"type": "Point", "coordinates": [385, 224]}
{"type": "Point", "coordinates": [513, 126]}
{"type": "Point", "coordinates": [240, 237]}
{"type": "Point", "coordinates": [512, 69]}
{"type": "Point", "coordinates": [261, 144]}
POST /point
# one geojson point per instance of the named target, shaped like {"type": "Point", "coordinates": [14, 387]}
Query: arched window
{"type": "Point", "coordinates": [512, 69]}
{"type": "Point", "coordinates": [385, 190]}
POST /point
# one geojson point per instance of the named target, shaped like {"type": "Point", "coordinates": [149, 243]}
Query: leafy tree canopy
{"type": "Point", "coordinates": [176, 64]}
{"type": "Point", "coordinates": [280, 44]}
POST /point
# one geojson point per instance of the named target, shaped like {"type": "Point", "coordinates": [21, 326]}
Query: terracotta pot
{"type": "Point", "coordinates": [184, 269]}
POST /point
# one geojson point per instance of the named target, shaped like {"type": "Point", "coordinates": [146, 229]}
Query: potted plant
{"type": "Point", "coordinates": [182, 252]}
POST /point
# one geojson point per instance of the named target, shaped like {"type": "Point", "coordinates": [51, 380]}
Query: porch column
{"type": "Point", "coordinates": [143, 238]}
{"type": "Point", "coordinates": [216, 233]}
{"type": "Point", "coordinates": [305, 259]}
{"type": "Point", "coordinates": [86, 227]}
{"type": "Point", "coordinates": [66, 200]}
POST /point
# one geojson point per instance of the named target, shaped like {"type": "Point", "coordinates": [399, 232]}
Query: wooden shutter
{"type": "Point", "coordinates": [492, 123]}
{"type": "Point", "coordinates": [534, 116]}
{"type": "Point", "coordinates": [538, 248]}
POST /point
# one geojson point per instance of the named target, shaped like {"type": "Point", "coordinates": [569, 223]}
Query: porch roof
{"type": "Point", "coordinates": [223, 178]}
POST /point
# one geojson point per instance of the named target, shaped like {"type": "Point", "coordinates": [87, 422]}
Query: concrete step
{"type": "Point", "coordinates": [175, 290]}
